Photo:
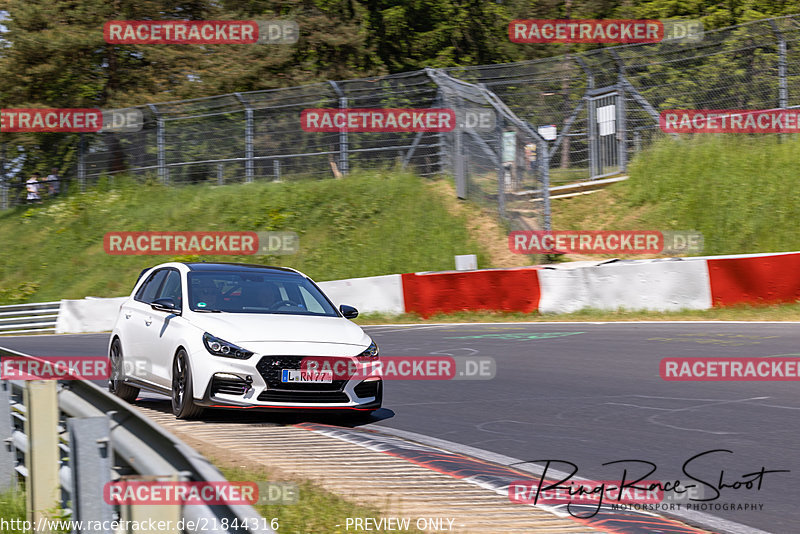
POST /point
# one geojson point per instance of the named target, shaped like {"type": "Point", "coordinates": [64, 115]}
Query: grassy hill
{"type": "Point", "coordinates": [742, 192]}
{"type": "Point", "coordinates": [362, 225]}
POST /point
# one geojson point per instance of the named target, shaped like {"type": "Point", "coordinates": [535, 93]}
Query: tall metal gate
{"type": "Point", "coordinates": [606, 152]}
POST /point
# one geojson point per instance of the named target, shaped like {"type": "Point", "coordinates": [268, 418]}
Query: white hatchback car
{"type": "Point", "coordinates": [229, 335]}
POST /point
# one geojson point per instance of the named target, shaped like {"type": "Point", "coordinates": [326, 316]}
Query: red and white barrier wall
{"type": "Point", "coordinates": [658, 285]}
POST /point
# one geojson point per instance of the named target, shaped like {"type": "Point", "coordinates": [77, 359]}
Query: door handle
{"type": "Point", "coordinates": [127, 315]}
{"type": "Point", "coordinates": [148, 321]}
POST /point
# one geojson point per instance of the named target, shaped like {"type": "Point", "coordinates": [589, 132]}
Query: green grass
{"type": "Point", "coordinates": [12, 506]}
{"type": "Point", "coordinates": [363, 225]}
{"type": "Point", "coordinates": [740, 191]}
{"type": "Point", "coordinates": [317, 510]}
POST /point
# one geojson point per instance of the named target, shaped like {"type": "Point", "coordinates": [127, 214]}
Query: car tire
{"type": "Point", "coordinates": [116, 384]}
{"type": "Point", "coordinates": [183, 405]}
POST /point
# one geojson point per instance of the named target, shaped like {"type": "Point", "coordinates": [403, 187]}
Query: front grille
{"type": "Point", "coordinates": [228, 386]}
{"type": "Point", "coordinates": [270, 368]}
{"type": "Point", "coordinates": [272, 395]}
{"type": "Point", "coordinates": [367, 389]}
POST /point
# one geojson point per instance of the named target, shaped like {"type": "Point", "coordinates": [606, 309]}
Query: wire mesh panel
{"type": "Point", "coordinates": [603, 105]}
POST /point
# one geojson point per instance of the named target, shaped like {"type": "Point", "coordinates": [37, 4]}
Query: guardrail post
{"type": "Point", "coordinates": [42, 458]}
{"type": "Point", "coordinates": [144, 514]}
{"type": "Point", "coordinates": [8, 457]}
{"type": "Point", "coordinates": [90, 465]}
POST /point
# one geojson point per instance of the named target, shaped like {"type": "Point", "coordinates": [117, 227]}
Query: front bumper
{"type": "Point", "coordinates": [257, 386]}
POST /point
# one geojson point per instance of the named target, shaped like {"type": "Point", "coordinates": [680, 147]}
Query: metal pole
{"type": "Point", "coordinates": [592, 133]}
{"type": "Point", "coordinates": [343, 139]}
{"type": "Point", "coordinates": [783, 88]}
{"type": "Point", "coordinates": [458, 152]}
{"type": "Point", "coordinates": [545, 172]}
{"type": "Point", "coordinates": [276, 168]}
{"type": "Point", "coordinates": [501, 171]}
{"type": "Point", "coordinates": [82, 162]}
{"type": "Point", "coordinates": [248, 138]}
{"type": "Point", "coordinates": [3, 183]}
{"type": "Point", "coordinates": [622, 134]}
{"type": "Point", "coordinates": [160, 143]}
{"type": "Point", "coordinates": [220, 179]}
{"type": "Point", "coordinates": [343, 142]}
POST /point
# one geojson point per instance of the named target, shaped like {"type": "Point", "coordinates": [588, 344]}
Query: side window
{"type": "Point", "coordinates": [311, 303]}
{"type": "Point", "coordinates": [172, 288]}
{"type": "Point", "coordinates": [147, 293]}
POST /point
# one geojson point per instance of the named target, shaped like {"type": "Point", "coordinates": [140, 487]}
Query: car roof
{"type": "Point", "coordinates": [220, 266]}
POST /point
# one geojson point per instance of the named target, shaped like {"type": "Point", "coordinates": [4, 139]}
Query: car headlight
{"type": "Point", "coordinates": [220, 347]}
{"type": "Point", "coordinates": [370, 354]}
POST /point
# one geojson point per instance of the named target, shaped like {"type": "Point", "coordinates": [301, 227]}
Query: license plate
{"type": "Point", "coordinates": [306, 377]}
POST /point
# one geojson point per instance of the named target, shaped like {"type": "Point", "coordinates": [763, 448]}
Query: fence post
{"type": "Point", "coordinates": [622, 133]}
{"type": "Point", "coordinates": [783, 89]}
{"type": "Point", "coordinates": [82, 162]}
{"type": "Point", "coordinates": [544, 163]}
{"type": "Point", "coordinates": [8, 457]}
{"type": "Point", "coordinates": [501, 170]}
{"type": "Point", "coordinates": [220, 178]}
{"type": "Point", "coordinates": [276, 168]}
{"type": "Point", "coordinates": [343, 139]}
{"type": "Point", "coordinates": [3, 183]}
{"type": "Point", "coordinates": [248, 138]}
{"type": "Point", "coordinates": [160, 142]}
{"type": "Point", "coordinates": [42, 457]}
{"type": "Point", "coordinates": [592, 133]}
{"type": "Point", "coordinates": [90, 466]}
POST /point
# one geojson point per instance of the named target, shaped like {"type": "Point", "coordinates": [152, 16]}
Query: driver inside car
{"type": "Point", "coordinates": [207, 295]}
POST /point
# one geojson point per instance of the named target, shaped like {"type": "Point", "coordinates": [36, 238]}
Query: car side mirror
{"type": "Point", "coordinates": [165, 305]}
{"type": "Point", "coordinates": [349, 312]}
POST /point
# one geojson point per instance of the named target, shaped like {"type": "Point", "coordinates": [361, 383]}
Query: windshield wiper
{"type": "Point", "coordinates": [203, 310]}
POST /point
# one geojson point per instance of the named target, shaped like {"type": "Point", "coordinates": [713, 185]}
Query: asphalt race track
{"type": "Point", "coordinates": [591, 394]}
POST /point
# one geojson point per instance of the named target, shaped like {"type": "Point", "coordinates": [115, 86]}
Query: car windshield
{"type": "Point", "coordinates": [248, 292]}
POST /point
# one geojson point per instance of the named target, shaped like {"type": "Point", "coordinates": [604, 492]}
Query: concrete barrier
{"type": "Point", "coordinates": [88, 315]}
{"type": "Point", "coordinates": [634, 285]}
{"type": "Point", "coordinates": [371, 294]}
{"type": "Point", "coordinates": [490, 289]}
{"type": "Point", "coordinates": [667, 284]}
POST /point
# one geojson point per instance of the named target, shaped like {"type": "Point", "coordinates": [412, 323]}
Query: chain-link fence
{"type": "Point", "coordinates": [556, 120]}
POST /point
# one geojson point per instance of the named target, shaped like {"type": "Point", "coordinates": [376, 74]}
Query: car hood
{"type": "Point", "coordinates": [254, 328]}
